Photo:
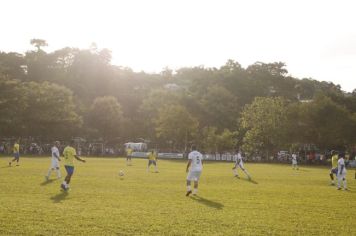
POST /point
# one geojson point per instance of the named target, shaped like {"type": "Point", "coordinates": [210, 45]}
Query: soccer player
{"type": "Point", "coordinates": [16, 151]}
{"type": "Point", "coordinates": [239, 164]}
{"type": "Point", "coordinates": [152, 159]}
{"type": "Point", "coordinates": [341, 172]}
{"type": "Point", "coordinates": [128, 156]}
{"type": "Point", "coordinates": [69, 154]}
{"type": "Point", "coordinates": [55, 161]}
{"type": "Point", "coordinates": [333, 171]}
{"type": "Point", "coordinates": [294, 161]}
{"type": "Point", "coordinates": [194, 167]}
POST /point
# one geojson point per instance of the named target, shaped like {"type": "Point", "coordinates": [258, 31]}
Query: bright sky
{"type": "Point", "coordinates": [315, 39]}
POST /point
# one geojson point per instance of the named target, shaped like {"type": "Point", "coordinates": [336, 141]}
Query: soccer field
{"type": "Point", "coordinates": [280, 201]}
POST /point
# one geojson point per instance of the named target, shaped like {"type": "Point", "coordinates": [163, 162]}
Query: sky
{"type": "Point", "coordinates": [315, 39]}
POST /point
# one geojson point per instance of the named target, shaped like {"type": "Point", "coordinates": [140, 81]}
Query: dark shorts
{"type": "Point", "coordinates": [333, 171]}
{"type": "Point", "coordinates": [150, 162]}
{"type": "Point", "coordinates": [69, 169]}
{"type": "Point", "coordinates": [17, 155]}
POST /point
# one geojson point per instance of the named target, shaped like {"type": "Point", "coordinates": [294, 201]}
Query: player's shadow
{"type": "Point", "coordinates": [207, 202]}
{"type": "Point", "coordinates": [59, 197]}
{"type": "Point", "coordinates": [44, 183]}
{"type": "Point", "coordinates": [250, 180]}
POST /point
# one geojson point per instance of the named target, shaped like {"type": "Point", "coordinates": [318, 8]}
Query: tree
{"type": "Point", "coordinates": [264, 121]}
{"type": "Point", "coordinates": [221, 108]}
{"type": "Point", "coordinates": [38, 43]}
{"type": "Point", "coordinates": [105, 115]}
{"type": "Point", "coordinates": [327, 124]}
{"type": "Point", "coordinates": [37, 109]}
{"type": "Point", "coordinates": [176, 124]}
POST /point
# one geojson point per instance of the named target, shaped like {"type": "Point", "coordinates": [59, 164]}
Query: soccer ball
{"type": "Point", "coordinates": [121, 173]}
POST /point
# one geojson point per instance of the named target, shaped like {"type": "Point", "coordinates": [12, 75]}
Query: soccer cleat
{"type": "Point", "coordinates": [188, 193]}
{"type": "Point", "coordinates": [338, 188]}
{"type": "Point", "coordinates": [332, 184]}
{"type": "Point", "coordinates": [346, 189]}
{"type": "Point", "coordinates": [237, 176]}
{"type": "Point", "coordinates": [63, 187]}
{"type": "Point", "coordinates": [9, 163]}
{"type": "Point", "coordinates": [17, 165]}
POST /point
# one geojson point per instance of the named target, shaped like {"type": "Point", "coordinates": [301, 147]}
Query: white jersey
{"type": "Point", "coordinates": [239, 160]}
{"type": "Point", "coordinates": [340, 164]}
{"type": "Point", "coordinates": [55, 152]}
{"type": "Point", "coordinates": [196, 158]}
{"type": "Point", "coordinates": [294, 159]}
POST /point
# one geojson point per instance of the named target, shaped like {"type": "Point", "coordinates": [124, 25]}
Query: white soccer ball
{"type": "Point", "coordinates": [121, 173]}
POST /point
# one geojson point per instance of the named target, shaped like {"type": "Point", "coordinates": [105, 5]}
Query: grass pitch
{"type": "Point", "coordinates": [280, 201]}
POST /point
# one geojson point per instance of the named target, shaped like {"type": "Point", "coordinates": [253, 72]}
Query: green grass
{"type": "Point", "coordinates": [280, 201]}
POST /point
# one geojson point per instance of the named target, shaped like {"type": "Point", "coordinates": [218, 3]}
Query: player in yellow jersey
{"type": "Point", "coordinates": [128, 156]}
{"type": "Point", "coordinates": [16, 151]}
{"type": "Point", "coordinates": [152, 160]}
{"type": "Point", "coordinates": [333, 171]}
{"type": "Point", "coordinates": [69, 154]}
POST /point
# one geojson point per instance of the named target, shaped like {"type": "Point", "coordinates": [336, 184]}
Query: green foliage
{"type": "Point", "coordinates": [264, 121]}
{"type": "Point", "coordinates": [176, 124]}
{"type": "Point", "coordinates": [105, 115]}
{"type": "Point", "coordinates": [213, 96]}
{"type": "Point", "coordinates": [34, 109]}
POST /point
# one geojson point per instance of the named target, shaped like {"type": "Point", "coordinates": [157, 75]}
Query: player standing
{"type": "Point", "coordinates": [334, 161]}
{"type": "Point", "coordinates": [341, 172]}
{"type": "Point", "coordinates": [239, 164]}
{"type": "Point", "coordinates": [69, 154]}
{"type": "Point", "coordinates": [16, 151]}
{"type": "Point", "coordinates": [152, 160]}
{"type": "Point", "coordinates": [128, 156]}
{"type": "Point", "coordinates": [194, 169]}
{"type": "Point", "coordinates": [294, 161]}
{"type": "Point", "coordinates": [54, 161]}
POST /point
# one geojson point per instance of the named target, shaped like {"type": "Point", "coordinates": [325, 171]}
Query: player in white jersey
{"type": "Point", "coordinates": [54, 161]}
{"type": "Point", "coordinates": [294, 161]}
{"type": "Point", "coordinates": [239, 164]}
{"type": "Point", "coordinates": [194, 169]}
{"type": "Point", "coordinates": [341, 172]}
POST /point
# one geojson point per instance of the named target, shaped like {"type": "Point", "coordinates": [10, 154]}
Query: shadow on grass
{"type": "Point", "coordinates": [250, 181]}
{"type": "Point", "coordinates": [59, 197]}
{"type": "Point", "coordinates": [44, 183]}
{"type": "Point", "coordinates": [207, 202]}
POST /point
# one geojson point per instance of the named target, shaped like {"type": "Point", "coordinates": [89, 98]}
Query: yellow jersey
{"type": "Point", "coordinates": [152, 156]}
{"type": "Point", "coordinates": [69, 153]}
{"type": "Point", "coordinates": [16, 148]}
{"type": "Point", "coordinates": [129, 151]}
{"type": "Point", "coordinates": [334, 161]}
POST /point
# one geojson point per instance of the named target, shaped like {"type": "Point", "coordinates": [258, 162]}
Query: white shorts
{"type": "Point", "coordinates": [241, 165]}
{"type": "Point", "coordinates": [294, 162]}
{"type": "Point", "coordinates": [342, 176]}
{"type": "Point", "coordinates": [194, 175]}
{"type": "Point", "coordinates": [54, 163]}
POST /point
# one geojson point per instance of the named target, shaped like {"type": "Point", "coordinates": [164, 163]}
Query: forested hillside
{"type": "Point", "coordinates": [78, 92]}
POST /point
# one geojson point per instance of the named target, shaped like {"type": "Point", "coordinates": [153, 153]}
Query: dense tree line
{"type": "Point", "coordinates": [78, 92]}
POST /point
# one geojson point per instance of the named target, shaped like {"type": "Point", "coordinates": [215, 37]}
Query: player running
{"type": "Point", "coordinates": [341, 172]}
{"type": "Point", "coordinates": [334, 161]}
{"type": "Point", "coordinates": [294, 161]}
{"type": "Point", "coordinates": [54, 161]}
{"type": "Point", "coordinates": [152, 160]}
{"type": "Point", "coordinates": [16, 151]}
{"type": "Point", "coordinates": [194, 169]}
{"type": "Point", "coordinates": [239, 164]}
{"type": "Point", "coordinates": [69, 154]}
